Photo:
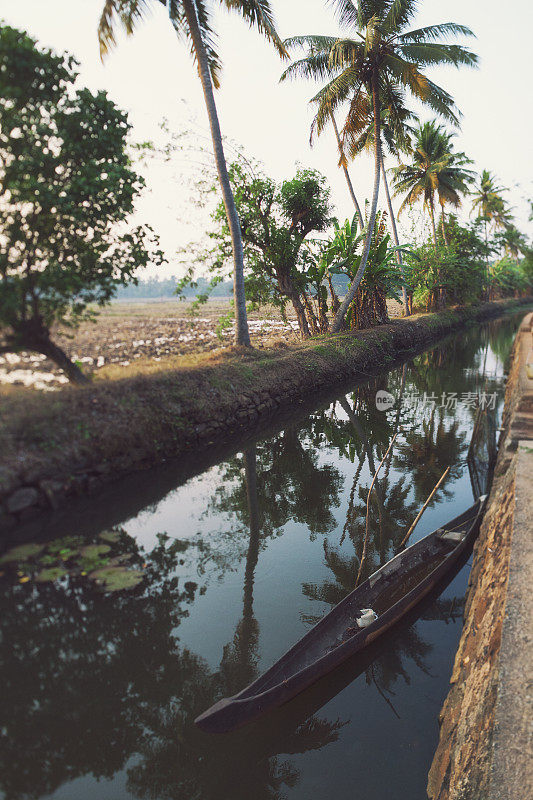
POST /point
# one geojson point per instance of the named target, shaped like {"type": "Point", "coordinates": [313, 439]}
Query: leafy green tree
{"type": "Point", "coordinates": [381, 53]}
{"type": "Point", "coordinates": [507, 278]}
{"type": "Point", "coordinates": [435, 172]}
{"type": "Point", "coordinates": [276, 220]}
{"type": "Point", "coordinates": [191, 20]}
{"type": "Point", "coordinates": [67, 190]}
{"type": "Point", "coordinates": [442, 274]}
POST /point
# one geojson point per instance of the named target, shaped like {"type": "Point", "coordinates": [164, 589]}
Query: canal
{"type": "Point", "coordinates": [100, 688]}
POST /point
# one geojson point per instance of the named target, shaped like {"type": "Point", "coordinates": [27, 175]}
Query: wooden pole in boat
{"type": "Point", "coordinates": [363, 554]}
{"type": "Point", "coordinates": [417, 520]}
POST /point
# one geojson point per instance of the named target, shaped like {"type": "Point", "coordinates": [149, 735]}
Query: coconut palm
{"type": "Point", "coordinates": [490, 206]}
{"type": "Point", "coordinates": [454, 180]}
{"type": "Point", "coordinates": [436, 172]}
{"type": "Point", "coordinates": [396, 133]}
{"type": "Point", "coordinates": [382, 53]}
{"type": "Point", "coordinates": [191, 20]}
{"type": "Point", "coordinates": [512, 241]}
{"type": "Point", "coordinates": [489, 203]}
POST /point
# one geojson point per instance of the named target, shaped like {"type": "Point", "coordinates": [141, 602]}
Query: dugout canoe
{"type": "Point", "coordinates": [390, 592]}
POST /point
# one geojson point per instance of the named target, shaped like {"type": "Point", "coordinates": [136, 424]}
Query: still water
{"type": "Point", "coordinates": [99, 689]}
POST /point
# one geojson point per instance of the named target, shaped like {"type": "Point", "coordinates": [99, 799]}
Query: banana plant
{"type": "Point", "coordinates": [382, 277]}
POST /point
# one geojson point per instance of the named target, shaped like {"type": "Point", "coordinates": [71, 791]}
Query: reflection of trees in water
{"type": "Point", "coordinates": [208, 767]}
{"type": "Point", "coordinates": [90, 681]}
{"type": "Point", "coordinates": [428, 450]}
{"type": "Point", "coordinates": [292, 485]}
{"type": "Point", "coordinates": [82, 671]}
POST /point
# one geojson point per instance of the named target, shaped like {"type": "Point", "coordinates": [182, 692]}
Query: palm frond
{"type": "Point", "coordinates": [441, 102]}
{"type": "Point", "coordinates": [432, 33]}
{"type": "Point", "coordinates": [316, 67]}
{"type": "Point", "coordinates": [408, 75]}
{"type": "Point", "coordinates": [428, 54]}
{"type": "Point", "coordinates": [371, 8]}
{"type": "Point", "coordinates": [258, 14]}
{"type": "Point", "coordinates": [346, 51]}
{"type": "Point", "coordinates": [128, 13]}
{"type": "Point", "coordinates": [313, 44]}
{"type": "Point", "coordinates": [339, 89]}
{"type": "Point", "coordinates": [399, 15]}
{"type": "Point", "coordinates": [346, 12]}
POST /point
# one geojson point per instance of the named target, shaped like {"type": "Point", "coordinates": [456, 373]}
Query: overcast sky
{"type": "Point", "coordinates": [152, 76]}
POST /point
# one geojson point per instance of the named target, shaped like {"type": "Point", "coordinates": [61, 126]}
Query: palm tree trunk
{"type": "Point", "coordinates": [432, 211]}
{"type": "Point", "coordinates": [487, 291]}
{"type": "Point", "coordinates": [242, 334]}
{"type": "Point", "coordinates": [346, 173]}
{"type": "Point", "coordinates": [346, 303]}
{"type": "Point", "coordinates": [443, 226]}
{"type": "Point", "coordinates": [395, 234]}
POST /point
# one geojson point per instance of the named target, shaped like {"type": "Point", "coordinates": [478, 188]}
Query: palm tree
{"type": "Point", "coordinates": [191, 20]}
{"type": "Point", "coordinates": [435, 170]}
{"type": "Point", "coordinates": [490, 206]}
{"type": "Point", "coordinates": [489, 202]}
{"type": "Point", "coordinates": [512, 241]}
{"type": "Point", "coordinates": [454, 180]}
{"type": "Point", "coordinates": [396, 133]}
{"type": "Point", "coordinates": [382, 53]}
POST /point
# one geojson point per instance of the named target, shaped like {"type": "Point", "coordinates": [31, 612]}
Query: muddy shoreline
{"type": "Point", "coordinates": [77, 441]}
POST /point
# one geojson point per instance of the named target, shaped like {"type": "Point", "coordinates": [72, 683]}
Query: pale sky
{"type": "Point", "coordinates": [151, 75]}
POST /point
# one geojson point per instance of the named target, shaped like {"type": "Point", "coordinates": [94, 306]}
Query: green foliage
{"type": "Point", "coordinates": [462, 272]}
{"type": "Point", "coordinates": [69, 557]}
{"type": "Point", "coordinates": [276, 220]}
{"type": "Point", "coordinates": [435, 169]}
{"type": "Point", "coordinates": [377, 42]}
{"type": "Point", "coordinates": [488, 201]}
{"type": "Point", "coordinates": [68, 190]}
{"type": "Point", "coordinates": [382, 277]}
{"type": "Point", "coordinates": [507, 277]}
{"type": "Point", "coordinates": [437, 274]}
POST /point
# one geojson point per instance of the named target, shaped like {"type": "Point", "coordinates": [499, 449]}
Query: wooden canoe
{"type": "Point", "coordinates": [391, 592]}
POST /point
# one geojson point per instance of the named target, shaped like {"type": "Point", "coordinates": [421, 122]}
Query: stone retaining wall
{"type": "Point", "coordinates": [485, 749]}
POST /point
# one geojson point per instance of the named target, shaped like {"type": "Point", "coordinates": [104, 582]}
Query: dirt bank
{"type": "Point", "coordinates": [74, 440]}
{"type": "Point", "coordinates": [484, 751]}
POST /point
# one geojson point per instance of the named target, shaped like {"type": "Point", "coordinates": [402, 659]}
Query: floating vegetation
{"type": "Point", "coordinates": [94, 550]}
{"type": "Point", "coordinates": [22, 552]}
{"type": "Point", "coordinates": [50, 575]}
{"type": "Point", "coordinates": [100, 563]}
{"type": "Point", "coordinates": [115, 579]}
{"type": "Point", "coordinates": [109, 536]}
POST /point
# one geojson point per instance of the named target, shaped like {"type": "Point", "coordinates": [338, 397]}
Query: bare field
{"type": "Point", "coordinates": [128, 332]}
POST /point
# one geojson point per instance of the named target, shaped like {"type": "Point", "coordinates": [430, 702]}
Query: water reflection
{"type": "Point", "coordinates": [106, 686]}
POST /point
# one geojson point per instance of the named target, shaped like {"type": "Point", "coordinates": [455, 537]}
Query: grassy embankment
{"type": "Point", "coordinates": [129, 418]}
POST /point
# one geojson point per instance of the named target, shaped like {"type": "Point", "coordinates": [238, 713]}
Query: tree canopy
{"type": "Point", "coordinates": [68, 191]}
